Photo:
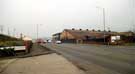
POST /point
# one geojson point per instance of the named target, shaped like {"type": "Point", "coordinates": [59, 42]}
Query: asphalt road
{"type": "Point", "coordinates": [99, 59]}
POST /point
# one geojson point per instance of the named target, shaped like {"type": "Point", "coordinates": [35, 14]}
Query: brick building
{"type": "Point", "coordinates": [92, 36]}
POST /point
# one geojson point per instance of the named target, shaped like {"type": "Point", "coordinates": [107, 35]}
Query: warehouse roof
{"type": "Point", "coordinates": [82, 34]}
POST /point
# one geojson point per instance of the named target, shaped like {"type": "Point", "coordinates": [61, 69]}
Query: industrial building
{"type": "Point", "coordinates": [93, 36]}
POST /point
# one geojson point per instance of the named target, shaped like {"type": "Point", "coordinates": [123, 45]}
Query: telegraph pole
{"type": "Point", "coordinates": [133, 19]}
{"type": "Point", "coordinates": [8, 31]}
{"type": "Point", "coordinates": [37, 31]}
{"type": "Point", "coordinates": [1, 28]}
{"type": "Point", "coordinates": [104, 21]}
{"type": "Point", "coordinates": [37, 26]}
{"type": "Point", "coordinates": [132, 15]}
{"type": "Point", "coordinates": [14, 32]}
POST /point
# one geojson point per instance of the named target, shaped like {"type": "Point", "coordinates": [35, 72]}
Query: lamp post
{"type": "Point", "coordinates": [104, 20]}
{"type": "Point", "coordinates": [8, 32]}
{"type": "Point", "coordinates": [37, 26]}
{"type": "Point", "coordinates": [37, 31]}
{"type": "Point", "coordinates": [133, 14]}
{"type": "Point", "coordinates": [14, 32]}
{"type": "Point", "coordinates": [1, 28]}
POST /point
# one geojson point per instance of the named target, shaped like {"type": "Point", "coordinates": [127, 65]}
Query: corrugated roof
{"type": "Point", "coordinates": [127, 33]}
{"type": "Point", "coordinates": [56, 34]}
{"type": "Point", "coordinates": [6, 37]}
{"type": "Point", "coordinates": [81, 34]}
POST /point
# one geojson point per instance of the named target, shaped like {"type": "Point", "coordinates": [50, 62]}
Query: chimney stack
{"type": "Point", "coordinates": [93, 30]}
{"type": "Point", "coordinates": [73, 28]}
{"type": "Point", "coordinates": [80, 29]}
{"type": "Point", "coordinates": [109, 30]}
{"type": "Point", "coordinates": [99, 30]}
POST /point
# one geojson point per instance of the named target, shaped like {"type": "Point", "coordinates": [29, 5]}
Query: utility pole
{"type": "Point", "coordinates": [1, 28]}
{"type": "Point", "coordinates": [133, 19]}
{"type": "Point", "coordinates": [132, 15]}
{"type": "Point", "coordinates": [21, 36]}
{"type": "Point", "coordinates": [14, 32]}
{"type": "Point", "coordinates": [37, 31]}
{"type": "Point", "coordinates": [8, 31]}
{"type": "Point", "coordinates": [37, 26]}
{"type": "Point", "coordinates": [104, 21]}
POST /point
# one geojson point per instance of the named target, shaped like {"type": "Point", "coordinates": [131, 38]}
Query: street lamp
{"type": "Point", "coordinates": [1, 28]}
{"type": "Point", "coordinates": [133, 14]}
{"type": "Point", "coordinates": [8, 31]}
{"type": "Point", "coordinates": [104, 21]}
{"type": "Point", "coordinates": [14, 32]}
{"type": "Point", "coordinates": [38, 30]}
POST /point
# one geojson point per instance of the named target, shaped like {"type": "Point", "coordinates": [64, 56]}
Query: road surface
{"type": "Point", "coordinates": [99, 59]}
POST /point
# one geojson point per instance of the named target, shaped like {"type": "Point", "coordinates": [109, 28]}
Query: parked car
{"type": "Point", "coordinates": [49, 41]}
{"type": "Point", "coordinates": [40, 41]}
{"type": "Point", "coordinates": [58, 42]}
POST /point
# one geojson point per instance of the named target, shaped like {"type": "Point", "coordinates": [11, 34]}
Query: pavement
{"type": "Point", "coordinates": [98, 59]}
{"type": "Point", "coordinates": [44, 64]}
{"type": "Point", "coordinates": [4, 63]}
{"type": "Point", "coordinates": [51, 63]}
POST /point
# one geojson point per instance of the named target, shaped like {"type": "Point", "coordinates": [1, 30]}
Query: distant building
{"type": "Point", "coordinates": [134, 38]}
{"type": "Point", "coordinates": [85, 36]}
{"type": "Point", "coordinates": [127, 36]}
{"type": "Point", "coordinates": [4, 37]}
{"type": "Point", "coordinates": [56, 36]}
{"type": "Point", "coordinates": [27, 38]}
{"type": "Point", "coordinates": [93, 36]}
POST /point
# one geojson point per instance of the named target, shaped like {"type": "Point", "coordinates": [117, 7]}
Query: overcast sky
{"type": "Point", "coordinates": [56, 15]}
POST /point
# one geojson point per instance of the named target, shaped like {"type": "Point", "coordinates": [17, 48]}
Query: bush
{"type": "Point", "coordinates": [12, 43]}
